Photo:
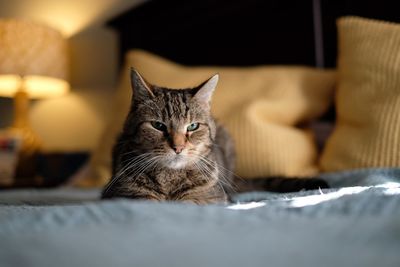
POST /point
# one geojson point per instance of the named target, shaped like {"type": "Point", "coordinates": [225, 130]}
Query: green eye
{"type": "Point", "coordinates": [192, 127]}
{"type": "Point", "coordinates": [159, 126]}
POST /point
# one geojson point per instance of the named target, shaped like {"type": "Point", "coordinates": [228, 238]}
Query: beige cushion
{"type": "Point", "coordinates": [262, 108]}
{"type": "Point", "coordinates": [367, 133]}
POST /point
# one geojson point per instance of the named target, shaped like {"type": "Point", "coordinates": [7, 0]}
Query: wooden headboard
{"type": "Point", "coordinates": [243, 32]}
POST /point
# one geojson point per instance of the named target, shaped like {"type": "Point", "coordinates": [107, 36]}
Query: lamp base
{"type": "Point", "coordinates": [26, 173]}
{"type": "Point", "coordinates": [30, 143]}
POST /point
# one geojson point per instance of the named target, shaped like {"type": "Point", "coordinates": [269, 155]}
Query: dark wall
{"type": "Point", "coordinates": [243, 32]}
{"type": "Point", "coordinates": [221, 32]}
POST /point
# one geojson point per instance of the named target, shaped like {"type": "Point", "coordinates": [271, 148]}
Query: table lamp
{"type": "Point", "coordinates": [33, 64]}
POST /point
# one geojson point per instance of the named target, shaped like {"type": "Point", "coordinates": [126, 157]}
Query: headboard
{"type": "Point", "coordinates": [243, 32]}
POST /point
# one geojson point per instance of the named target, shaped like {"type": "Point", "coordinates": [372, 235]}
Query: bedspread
{"type": "Point", "coordinates": [355, 223]}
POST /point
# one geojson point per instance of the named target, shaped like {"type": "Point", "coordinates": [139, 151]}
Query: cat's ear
{"type": "Point", "coordinates": [141, 88]}
{"type": "Point", "coordinates": [204, 92]}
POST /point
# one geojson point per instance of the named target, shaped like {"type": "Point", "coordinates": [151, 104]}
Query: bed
{"type": "Point", "coordinates": [354, 223]}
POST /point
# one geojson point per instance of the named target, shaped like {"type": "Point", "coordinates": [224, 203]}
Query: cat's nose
{"type": "Point", "coordinates": [178, 142]}
{"type": "Point", "coordinates": [178, 149]}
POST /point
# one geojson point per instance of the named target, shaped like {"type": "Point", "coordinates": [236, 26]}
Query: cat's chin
{"type": "Point", "coordinates": [176, 162]}
{"type": "Point", "coordinates": [176, 165]}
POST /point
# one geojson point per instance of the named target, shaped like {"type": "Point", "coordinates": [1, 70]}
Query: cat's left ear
{"type": "Point", "coordinates": [205, 91]}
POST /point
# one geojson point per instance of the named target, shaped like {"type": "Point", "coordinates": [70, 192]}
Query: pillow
{"type": "Point", "coordinates": [262, 107]}
{"type": "Point", "coordinates": [367, 131]}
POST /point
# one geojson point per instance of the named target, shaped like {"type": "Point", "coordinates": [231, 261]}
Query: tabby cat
{"type": "Point", "coordinates": [171, 148]}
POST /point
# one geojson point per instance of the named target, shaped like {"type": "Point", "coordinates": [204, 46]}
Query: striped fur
{"type": "Point", "coordinates": [147, 163]}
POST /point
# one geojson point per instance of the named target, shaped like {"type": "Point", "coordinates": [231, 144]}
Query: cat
{"type": "Point", "coordinates": [171, 148]}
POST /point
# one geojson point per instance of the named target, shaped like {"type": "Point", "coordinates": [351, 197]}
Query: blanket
{"type": "Point", "coordinates": [355, 223]}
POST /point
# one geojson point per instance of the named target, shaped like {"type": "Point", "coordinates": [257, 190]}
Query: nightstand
{"type": "Point", "coordinates": [47, 169]}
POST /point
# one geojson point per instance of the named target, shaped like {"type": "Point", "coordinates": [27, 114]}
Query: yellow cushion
{"type": "Point", "coordinates": [367, 133]}
{"type": "Point", "coordinates": [260, 106]}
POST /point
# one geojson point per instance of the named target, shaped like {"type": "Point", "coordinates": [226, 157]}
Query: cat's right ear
{"type": "Point", "coordinates": [140, 87]}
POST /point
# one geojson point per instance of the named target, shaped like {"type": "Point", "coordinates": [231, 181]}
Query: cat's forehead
{"type": "Point", "coordinates": [169, 92]}
{"type": "Point", "coordinates": [166, 96]}
{"type": "Point", "coordinates": [172, 104]}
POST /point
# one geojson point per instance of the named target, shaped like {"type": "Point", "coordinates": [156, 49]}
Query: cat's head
{"type": "Point", "coordinates": [175, 126]}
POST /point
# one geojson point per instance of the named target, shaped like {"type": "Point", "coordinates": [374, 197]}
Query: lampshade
{"type": "Point", "coordinates": [33, 58]}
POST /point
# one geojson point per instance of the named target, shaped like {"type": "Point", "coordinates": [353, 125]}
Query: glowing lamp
{"type": "Point", "coordinates": [33, 64]}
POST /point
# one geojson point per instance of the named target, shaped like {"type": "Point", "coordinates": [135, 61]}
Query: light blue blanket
{"type": "Point", "coordinates": [356, 223]}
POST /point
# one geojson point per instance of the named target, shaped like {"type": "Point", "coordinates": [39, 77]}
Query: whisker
{"type": "Point", "coordinates": [223, 178]}
{"type": "Point", "coordinates": [208, 170]}
{"type": "Point", "coordinates": [135, 161]}
{"type": "Point", "coordinates": [144, 166]}
{"type": "Point", "coordinates": [219, 165]}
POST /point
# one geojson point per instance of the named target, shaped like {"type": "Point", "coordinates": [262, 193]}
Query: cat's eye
{"type": "Point", "coordinates": [192, 127]}
{"type": "Point", "coordinates": [159, 126]}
